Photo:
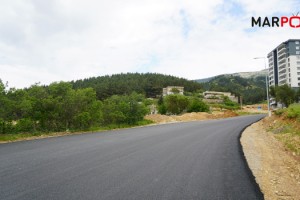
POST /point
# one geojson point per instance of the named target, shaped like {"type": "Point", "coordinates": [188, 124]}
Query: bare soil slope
{"type": "Point", "coordinates": [277, 170]}
{"type": "Point", "coordinates": [157, 118]}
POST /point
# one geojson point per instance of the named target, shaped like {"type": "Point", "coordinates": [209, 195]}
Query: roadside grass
{"type": "Point", "coordinates": [19, 136]}
{"type": "Point", "coordinates": [242, 113]}
{"type": "Point", "coordinates": [286, 127]}
{"type": "Point", "coordinates": [27, 136]}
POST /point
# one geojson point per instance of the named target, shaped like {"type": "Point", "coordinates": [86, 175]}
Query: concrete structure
{"type": "Point", "coordinates": [170, 90]}
{"type": "Point", "coordinates": [213, 96]}
{"type": "Point", "coordinates": [284, 64]}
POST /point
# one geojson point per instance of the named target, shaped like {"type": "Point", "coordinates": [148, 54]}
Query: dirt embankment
{"type": "Point", "coordinates": [157, 118]}
{"type": "Point", "coordinates": [276, 169]}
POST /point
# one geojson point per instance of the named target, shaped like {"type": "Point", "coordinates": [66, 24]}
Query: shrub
{"type": "Point", "coordinates": [25, 125]}
{"type": "Point", "coordinates": [197, 105]}
{"type": "Point", "coordinates": [176, 103]}
{"type": "Point", "coordinates": [279, 112]}
{"type": "Point", "coordinates": [162, 109]}
{"type": "Point", "coordinates": [293, 111]}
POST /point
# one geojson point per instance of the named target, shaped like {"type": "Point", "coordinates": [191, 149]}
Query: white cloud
{"type": "Point", "coordinates": [72, 39]}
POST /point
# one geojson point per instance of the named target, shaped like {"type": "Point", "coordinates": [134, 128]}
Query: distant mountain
{"type": "Point", "coordinates": [251, 74]}
{"type": "Point", "coordinates": [241, 74]}
{"type": "Point", "coordinates": [249, 85]}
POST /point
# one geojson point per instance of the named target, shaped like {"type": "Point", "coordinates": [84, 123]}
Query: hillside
{"type": "Point", "coordinates": [251, 89]}
{"type": "Point", "coordinates": [251, 85]}
{"type": "Point", "coordinates": [251, 74]}
{"type": "Point", "coordinates": [150, 84]}
{"type": "Point", "coordinates": [241, 74]}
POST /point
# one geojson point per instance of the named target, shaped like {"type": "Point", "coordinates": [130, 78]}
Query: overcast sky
{"type": "Point", "coordinates": [54, 40]}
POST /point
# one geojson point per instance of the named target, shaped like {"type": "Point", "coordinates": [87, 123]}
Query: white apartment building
{"type": "Point", "coordinates": [284, 64]}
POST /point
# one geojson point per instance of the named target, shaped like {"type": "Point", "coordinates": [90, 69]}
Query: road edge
{"type": "Point", "coordinates": [246, 165]}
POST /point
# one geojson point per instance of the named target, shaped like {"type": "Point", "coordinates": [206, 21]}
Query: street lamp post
{"type": "Point", "coordinates": [267, 85]}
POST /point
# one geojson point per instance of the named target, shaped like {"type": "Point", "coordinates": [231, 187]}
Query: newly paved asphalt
{"type": "Point", "coordinates": [194, 160]}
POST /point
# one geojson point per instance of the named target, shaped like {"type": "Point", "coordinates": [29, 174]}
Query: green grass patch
{"type": "Point", "coordinates": [23, 136]}
{"type": "Point", "coordinates": [18, 136]}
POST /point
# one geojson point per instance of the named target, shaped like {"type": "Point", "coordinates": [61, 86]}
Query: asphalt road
{"type": "Point", "coordinates": [193, 160]}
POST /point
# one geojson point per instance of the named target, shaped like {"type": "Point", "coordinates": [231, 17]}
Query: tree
{"type": "Point", "coordinates": [285, 94]}
{"type": "Point", "coordinates": [175, 91]}
{"type": "Point", "coordinates": [297, 96]}
{"type": "Point", "coordinates": [124, 109]}
{"type": "Point", "coordinates": [175, 103]}
{"type": "Point", "coordinates": [273, 91]}
{"type": "Point", "coordinates": [197, 105]}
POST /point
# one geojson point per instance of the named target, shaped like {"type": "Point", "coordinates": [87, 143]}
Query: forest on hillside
{"type": "Point", "coordinates": [149, 84]}
{"type": "Point", "coordinates": [252, 90]}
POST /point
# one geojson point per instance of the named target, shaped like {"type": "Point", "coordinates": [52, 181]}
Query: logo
{"type": "Point", "coordinates": [283, 21]}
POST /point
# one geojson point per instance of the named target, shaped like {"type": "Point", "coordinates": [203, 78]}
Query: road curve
{"type": "Point", "coordinates": [192, 160]}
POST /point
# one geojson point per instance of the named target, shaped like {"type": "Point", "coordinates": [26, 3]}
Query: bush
{"type": "Point", "coordinates": [197, 105]}
{"type": "Point", "coordinates": [279, 112]}
{"type": "Point", "coordinates": [176, 103]}
{"type": "Point", "coordinates": [82, 121]}
{"type": "Point", "coordinates": [25, 125]}
{"type": "Point", "coordinates": [6, 127]}
{"type": "Point", "coordinates": [293, 111]}
{"type": "Point", "coordinates": [230, 105]}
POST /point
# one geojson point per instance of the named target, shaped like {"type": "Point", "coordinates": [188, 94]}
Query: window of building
{"type": "Point", "coordinates": [298, 78]}
{"type": "Point", "coordinates": [297, 47]}
{"type": "Point", "coordinates": [298, 62]}
{"type": "Point", "coordinates": [297, 42]}
{"type": "Point", "coordinates": [297, 52]}
{"type": "Point", "coordinates": [298, 73]}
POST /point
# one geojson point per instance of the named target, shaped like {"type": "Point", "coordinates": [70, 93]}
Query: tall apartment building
{"type": "Point", "coordinates": [284, 64]}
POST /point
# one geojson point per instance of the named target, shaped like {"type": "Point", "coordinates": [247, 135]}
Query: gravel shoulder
{"type": "Point", "coordinates": [276, 170]}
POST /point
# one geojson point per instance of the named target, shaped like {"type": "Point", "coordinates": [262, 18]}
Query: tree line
{"type": "Point", "coordinates": [60, 107]}
{"type": "Point", "coordinates": [148, 84]}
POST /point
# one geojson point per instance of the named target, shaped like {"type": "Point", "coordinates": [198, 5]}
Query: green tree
{"type": "Point", "coordinates": [124, 109]}
{"type": "Point", "coordinates": [197, 105]}
{"type": "Point", "coordinates": [175, 91]}
{"type": "Point", "coordinates": [285, 94]}
{"type": "Point", "coordinates": [175, 103]}
{"type": "Point", "coordinates": [297, 96]}
{"type": "Point", "coordinates": [273, 91]}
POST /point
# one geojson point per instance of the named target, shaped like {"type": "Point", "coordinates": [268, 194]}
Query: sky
{"type": "Point", "coordinates": [62, 40]}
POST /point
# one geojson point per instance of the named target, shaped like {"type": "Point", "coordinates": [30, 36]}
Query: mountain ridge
{"type": "Point", "coordinates": [246, 75]}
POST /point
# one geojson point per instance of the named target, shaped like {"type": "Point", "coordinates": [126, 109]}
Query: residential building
{"type": "Point", "coordinates": [173, 90]}
{"type": "Point", "coordinates": [284, 64]}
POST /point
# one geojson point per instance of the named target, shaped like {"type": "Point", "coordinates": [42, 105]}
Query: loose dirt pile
{"type": "Point", "coordinates": [276, 170]}
{"type": "Point", "coordinates": [157, 118]}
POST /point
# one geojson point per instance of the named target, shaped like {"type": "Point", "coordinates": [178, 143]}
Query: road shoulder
{"type": "Point", "coordinates": [276, 171]}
